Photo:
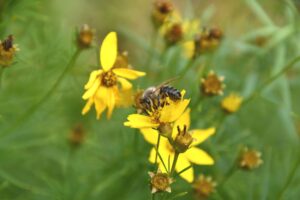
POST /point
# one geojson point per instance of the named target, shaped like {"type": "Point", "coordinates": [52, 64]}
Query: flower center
{"type": "Point", "coordinates": [109, 79]}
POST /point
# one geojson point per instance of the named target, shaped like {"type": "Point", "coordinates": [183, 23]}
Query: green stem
{"type": "Point", "coordinates": [1, 74]}
{"type": "Point", "coordinates": [271, 80]}
{"type": "Point", "coordinates": [157, 147]}
{"type": "Point", "coordinates": [34, 107]}
{"type": "Point", "coordinates": [174, 162]}
{"type": "Point", "coordinates": [290, 178]}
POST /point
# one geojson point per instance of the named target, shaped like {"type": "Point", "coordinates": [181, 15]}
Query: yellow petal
{"type": "Point", "coordinates": [165, 154]}
{"type": "Point", "coordinates": [128, 73]}
{"type": "Point", "coordinates": [198, 156]}
{"type": "Point", "coordinates": [111, 101]}
{"type": "Point", "coordinates": [100, 107]}
{"type": "Point", "coordinates": [183, 163]}
{"type": "Point", "coordinates": [92, 78]}
{"type": "Point", "coordinates": [108, 51]}
{"type": "Point", "coordinates": [201, 135]}
{"type": "Point", "coordinates": [150, 135]}
{"type": "Point", "coordinates": [140, 121]}
{"type": "Point", "coordinates": [92, 90]}
{"type": "Point", "coordinates": [87, 106]}
{"type": "Point", "coordinates": [152, 158]}
{"type": "Point", "coordinates": [172, 112]}
{"type": "Point", "coordinates": [126, 85]}
{"type": "Point", "coordinates": [184, 119]}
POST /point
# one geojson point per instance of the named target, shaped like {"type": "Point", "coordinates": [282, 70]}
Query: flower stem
{"type": "Point", "coordinates": [157, 147]}
{"type": "Point", "coordinates": [1, 74]}
{"type": "Point", "coordinates": [174, 162]}
{"type": "Point", "coordinates": [34, 107]}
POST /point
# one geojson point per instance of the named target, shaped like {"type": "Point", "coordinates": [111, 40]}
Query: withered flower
{"type": "Point", "coordinates": [160, 182]}
{"type": "Point", "coordinates": [85, 36]}
{"type": "Point", "coordinates": [162, 9]}
{"type": "Point", "coordinates": [250, 159]}
{"type": "Point", "coordinates": [7, 51]}
{"type": "Point", "coordinates": [204, 186]}
{"type": "Point", "coordinates": [212, 84]}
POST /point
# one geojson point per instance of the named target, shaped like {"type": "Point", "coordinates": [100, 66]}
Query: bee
{"type": "Point", "coordinates": [155, 96]}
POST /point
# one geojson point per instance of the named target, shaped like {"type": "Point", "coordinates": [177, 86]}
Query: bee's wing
{"type": "Point", "coordinates": [166, 82]}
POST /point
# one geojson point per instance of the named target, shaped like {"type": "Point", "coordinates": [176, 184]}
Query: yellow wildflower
{"type": "Point", "coordinates": [250, 159]}
{"type": "Point", "coordinates": [102, 88]}
{"type": "Point", "coordinates": [232, 103]}
{"type": "Point", "coordinates": [213, 84]}
{"type": "Point", "coordinates": [192, 153]}
{"type": "Point", "coordinates": [7, 51]}
{"type": "Point", "coordinates": [204, 187]}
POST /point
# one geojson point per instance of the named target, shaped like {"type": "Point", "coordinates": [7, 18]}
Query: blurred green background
{"type": "Point", "coordinates": [36, 160]}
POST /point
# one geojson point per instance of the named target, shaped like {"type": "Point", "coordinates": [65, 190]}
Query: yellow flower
{"type": "Point", "coordinates": [232, 103]}
{"type": "Point", "coordinates": [160, 118]}
{"type": "Point", "coordinates": [102, 88]}
{"type": "Point", "coordinates": [191, 155]}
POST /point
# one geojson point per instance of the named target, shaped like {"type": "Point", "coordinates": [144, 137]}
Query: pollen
{"type": "Point", "coordinates": [213, 84]}
{"type": "Point", "coordinates": [160, 182]}
{"type": "Point", "coordinates": [250, 159]}
{"type": "Point", "coordinates": [232, 103]}
{"type": "Point", "coordinates": [204, 186]}
{"type": "Point", "coordinates": [109, 79]}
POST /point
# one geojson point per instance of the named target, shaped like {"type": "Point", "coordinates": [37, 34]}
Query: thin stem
{"type": "Point", "coordinates": [271, 80]}
{"type": "Point", "coordinates": [34, 107]}
{"type": "Point", "coordinates": [174, 162]}
{"type": "Point", "coordinates": [157, 147]}
{"type": "Point", "coordinates": [1, 74]}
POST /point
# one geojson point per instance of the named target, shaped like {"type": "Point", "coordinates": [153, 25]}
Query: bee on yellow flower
{"type": "Point", "coordinates": [7, 51]}
{"type": "Point", "coordinates": [183, 142]}
{"type": "Point", "coordinates": [212, 84]}
{"type": "Point", "coordinates": [232, 103]}
{"type": "Point", "coordinates": [102, 88]}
